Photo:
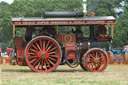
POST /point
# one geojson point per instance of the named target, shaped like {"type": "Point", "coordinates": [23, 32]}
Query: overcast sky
{"type": "Point", "coordinates": [8, 1]}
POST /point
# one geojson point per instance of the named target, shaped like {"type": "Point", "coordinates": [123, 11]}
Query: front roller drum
{"type": "Point", "coordinates": [95, 60]}
{"type": "Point", "coordinates": [43, 54]}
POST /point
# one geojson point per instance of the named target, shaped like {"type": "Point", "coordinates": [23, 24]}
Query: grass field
{"type": "Point", "coordinates": [63, 75]}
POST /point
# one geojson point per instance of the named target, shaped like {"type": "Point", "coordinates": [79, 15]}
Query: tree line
{"type": "Point", "coordinates": [118, 9]}
{"type": "Point", "coordinates": [35, 8]}
{"type": "Point", "coordinates": [29, 8]}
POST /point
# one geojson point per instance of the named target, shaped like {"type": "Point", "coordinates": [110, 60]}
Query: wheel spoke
{"type": "Point", "coordinates": [31, 53]}
{"type": "Point", "coordinates": [90, 61]}
{"type": "Point", "coordinates": [43, 54]}
{"type": "Point", "coordinates": [99, 64]}
{"type": "Point", "coordinates": [33, 50]}
{"type": "Point", "coordinates": [47, 63]}
{"type": "Point", "coordinates": [91, 56]}
{"type": "Point", "coordinates": [33, 60]}
{"type": "Point", "coordinates": [52, 58]}
{"type": "Point", "coordinates": [49, 47]}
{"type": "Point", "coordinates": [95, 65]}
{"type": "Point", "coordinates": [32, 57]}
{"type": "Point", "coordinates": [95, 60]}
{"type": "Point", "coordinates": [91, 64]}
{"type": "Point", "coordinates": [35, 47]}
{"type": "Point", "coordinates": [51, 53]}
{"type": "Point", "coordinates": [96, 54]}
{"type": "Point", "coordinates": [100, 57]}
{"type": "Point", "coordinates": [52, 49]}
{"type": "Point", "coordinates": [45, 66]}
{"type": "Point", "coordinates": [36, 62]}
{"type": "Point", "coordinates": [38, 65]}
{"type": "Point", "coordinates": [38, 46]}
{"type": "Point", "coordinates": [42, 64]}
{"type": "Point", "coordinates": [51, 62]}
{"type": "Point", "coordinates": [44, 45]}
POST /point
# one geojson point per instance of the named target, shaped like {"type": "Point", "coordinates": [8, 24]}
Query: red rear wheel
{"type": "Point", "coordinates": [95, 60]}
{"type": "Point", "coordinates": [43, 54]}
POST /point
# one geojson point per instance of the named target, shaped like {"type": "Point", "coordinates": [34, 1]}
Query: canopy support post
{"type": "Point", "coordinates": [56, 29]}
{"type": "Point", "coordinates": [14, 31]}
{"type": "Point", "coordinates": [112, 30]}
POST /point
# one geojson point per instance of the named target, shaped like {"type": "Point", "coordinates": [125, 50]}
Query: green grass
{"type": "Point", "coordinates": [17, 75]}
{"type": "Point", "coordinates": [62, 82]}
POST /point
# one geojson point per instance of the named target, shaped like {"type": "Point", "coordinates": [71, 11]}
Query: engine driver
{"type": "Point", "coordinates": [78, 32]}
{"type": "Point", "coordinates": [101, 31]}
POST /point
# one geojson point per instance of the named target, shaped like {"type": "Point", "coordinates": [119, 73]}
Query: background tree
{"type": "Point", "coordinates": [29, 8]}
{"type": "Point", "coordinates": [111, 8]}
{"type": "Point", "coordinates": [35, 8]}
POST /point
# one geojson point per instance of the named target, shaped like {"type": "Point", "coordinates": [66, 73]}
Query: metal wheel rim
{"type": "Point", "coordinates": [38, 61]}
{"type": "Point", "coordinates": [93, 66]}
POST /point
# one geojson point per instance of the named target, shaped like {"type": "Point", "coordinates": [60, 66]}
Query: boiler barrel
{"type": "Point", "coordinates": [97, 44]}
{"type": "Point", "coordinates": [94, 44]}
{"type": "Point", "coordinates": [62, 14]}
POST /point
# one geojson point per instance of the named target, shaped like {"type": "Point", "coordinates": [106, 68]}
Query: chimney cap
{"type": "Point", "coordinates": [91, 14]}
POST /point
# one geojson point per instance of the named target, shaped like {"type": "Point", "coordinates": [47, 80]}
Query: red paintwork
{"type": "Point", "coordinates": [70, 47]}
{"type": "Point", "coordinates": [43, 56]}
{"type": "Point", "coordinates": [69, 41]}
{"type": "Point", "coordinates": [66, 38]}
{"type": "Point", "coordinates": [42, 51]}
{"type": "Point", "coordinates": [95, 60]}
{"type": "Point", "coordinates": [58, 38]}
{"type": "Point", "coordinates": [66, 22]}
{"type": "Point", "coordinates": [20, 50]}
{"type": "Point", "coordinates": [20, 56]}
{"type": "Point", "coordinates": [71, 55]}
{"type": "Point", "coordinates": [104, 39]}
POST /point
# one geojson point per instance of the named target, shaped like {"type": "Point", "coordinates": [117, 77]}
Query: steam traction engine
{"type": "Point", "coordinates": [62, 38]}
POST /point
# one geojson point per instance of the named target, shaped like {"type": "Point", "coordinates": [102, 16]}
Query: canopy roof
{"type": "Point", "coordinates": [39, 21]}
